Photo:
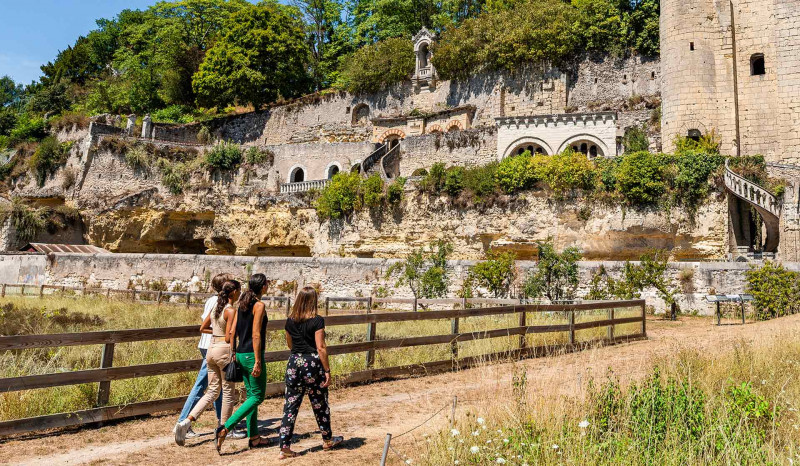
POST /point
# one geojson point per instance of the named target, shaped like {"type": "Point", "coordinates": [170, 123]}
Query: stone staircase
{"type": "Point", "coordinates": [368, 165]}
{"type": "Point", "coordinates": [765, 203]}
{"type": "Point", "coordinates": [383, 160]}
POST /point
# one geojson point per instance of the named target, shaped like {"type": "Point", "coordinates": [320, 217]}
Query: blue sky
{"type": "Point", "coordinates": [33, 31]}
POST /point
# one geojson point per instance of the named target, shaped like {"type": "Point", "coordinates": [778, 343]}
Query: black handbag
{"type": "Point", "coordinates": [233, 370]}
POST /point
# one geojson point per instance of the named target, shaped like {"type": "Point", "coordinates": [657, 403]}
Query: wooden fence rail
{"type": "Point", "coordinates": [107, 372]}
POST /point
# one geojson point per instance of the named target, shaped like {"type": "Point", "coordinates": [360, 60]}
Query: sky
{"type": "Point", "coordinates": [33, 31]}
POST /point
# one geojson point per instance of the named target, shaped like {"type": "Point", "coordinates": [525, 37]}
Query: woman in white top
{"type": "Point", "coordinates": [217, 324]}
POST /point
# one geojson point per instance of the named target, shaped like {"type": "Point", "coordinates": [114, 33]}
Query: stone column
{"type": "Point", "coordinates": [131, 124]}
{"type": "Point", "coordinates": [147, 127]}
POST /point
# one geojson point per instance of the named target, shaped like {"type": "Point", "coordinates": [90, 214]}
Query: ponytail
{"type": "Point", "coordinates": [224, 295]}
{"type": "Point", "coordinates": [255, 289]}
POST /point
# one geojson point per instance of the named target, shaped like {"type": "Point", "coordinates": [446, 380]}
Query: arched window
{"type": "Point", "coordinates": [298, 175]}
{"type": "Point", "coordinates": [587, 148]}
{"type": "Point", "coordinates": [694, 135]}
{"type": "Point", "coordinates": [423, 55]}
{"type": "Point", "coordinates": [529, 147]}
{"type": "Point", "coordinates": [757, 65]}
{"type": "Point", "coordinates": [332, 170]}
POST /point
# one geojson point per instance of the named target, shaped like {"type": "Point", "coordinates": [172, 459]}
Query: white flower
{"type": "Point", "coordinates": [583, 424]}
{"type": "Point", "coordinates": [555, 447]}
{"type": "Point", "coordinates": [455, 432]}
{"type": "Point", "coordinates": [481, 420]}
{"type": "Point", "coordinates": [505, 440]}
{"type": "Point", "coordinates": [763, 382]}
{"type": "Point", "coordinates": [501, 461]}
{"type": "Point", "coordinates": [488, 441]}
{"type": "Point", "coordinates": [408, 461]}
{"type": "Point", "coordinates": [499, 431]}
{"type": "Point", "coordinates": [456, 462]}
{"type": "Point", "coordinates": [461, 440]}
{"type": "Point", "coordinates": [474, 449]}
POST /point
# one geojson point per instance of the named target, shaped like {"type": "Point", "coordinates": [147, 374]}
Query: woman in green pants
{"type": "Point", "coordinates": [250, 327]}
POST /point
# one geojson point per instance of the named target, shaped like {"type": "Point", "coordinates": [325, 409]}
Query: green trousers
{"type": "Point", "coordinates": [255, 387]}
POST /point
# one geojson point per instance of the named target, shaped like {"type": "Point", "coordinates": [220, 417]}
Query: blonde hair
{"type": "Point", "coordinates": [305, 305]}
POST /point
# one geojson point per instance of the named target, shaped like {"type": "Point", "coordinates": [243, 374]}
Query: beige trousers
{"type": "Point", "coordinates": [217, 358]}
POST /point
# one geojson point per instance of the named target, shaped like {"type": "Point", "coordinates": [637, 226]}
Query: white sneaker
{"type": "Point", "coordinates": [181, 429]}
{"type": "Point", "coordinates": [191, 433]}
{"type": "Point", "coordinates": [237, 435]}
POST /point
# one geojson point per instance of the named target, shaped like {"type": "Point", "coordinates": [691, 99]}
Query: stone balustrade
{"type": "Point", "coordinates": [751, 192]}
{"type": "Point", "coordinates": [303, 186]}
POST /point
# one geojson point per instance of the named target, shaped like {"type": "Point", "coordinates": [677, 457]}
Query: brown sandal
{"type": "Point", "coordinates": [286, 454]}
{"type": "Point", "coordinates": [332, 443]}
{"type": "Point", "coordinates": [219, 438]}
{"type": "Point", "coordinates": [260, 443]}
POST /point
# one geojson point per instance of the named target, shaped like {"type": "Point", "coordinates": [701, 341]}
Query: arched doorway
{"type": "Point", "coordinates": [297, 175]}
{"type": "Point", "coordinates": [332, 170]}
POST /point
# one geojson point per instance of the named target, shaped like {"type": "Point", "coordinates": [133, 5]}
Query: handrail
{"type": "Point", "coordinates": [372, 158]}
{"type": "Point", "coordinates": [107, 373]}
{"type": "Point", "coordinates": [392, 152]}
{"type": "Point", "coordinates": [750, 192]}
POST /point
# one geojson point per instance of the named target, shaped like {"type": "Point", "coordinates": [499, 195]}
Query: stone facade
{"type": "Point", "coordinates": [711, 74]}
{"type": "Point", "coordinates": [594, 134]}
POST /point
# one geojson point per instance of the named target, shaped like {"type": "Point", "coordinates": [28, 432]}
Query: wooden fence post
{"type": "Point", "coordinates": [371, 334]}
{"type": "Point", "coordinates": [327, 305]}
{"type": "Point", "coordinates": [22, 290]}
{"type": "Point", "coordinates": [106, 361]}
{"type": "Point", "coordinates": [572, 327]}
{"type": "Point", "coordinates": [610, 334]}
{"type": "Point", "coordinates": [3, 292]}
{"type": "Point", "coordinates": [108, 294]}
{"type": "Point", "coordinates": [188, 299]}
{"type": "Point", "coordinates": [133, 295]}
{"type": "Point", "coordinates": [742, 304]}
{"type": "Point", "coordinates": [523, 322]}
{"type": "Point", "coordinates": [644, 320]}
{"type": "Point", "coordinates": [288, 305]}
{"type": "Point", "coordinates": [454, 331]}
{"type": "Point", "coordinates": [158, 299]}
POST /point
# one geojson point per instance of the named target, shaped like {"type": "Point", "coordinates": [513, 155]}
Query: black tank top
{"type": "Point", "coordinates": [244, 332]}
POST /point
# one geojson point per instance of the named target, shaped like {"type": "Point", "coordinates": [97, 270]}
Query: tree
{"type": "Point", "coordinates": [10, 91]}
{"type": "Point", "coordinates": [328, 37]}
{"type": "Point", "coordinates": [262, 56]}
{"type": "Point", "coordinates": [602, 25]}
{"type": "Point", "coordinates": [643, 26]}
{"type": "Point", "coordinates": [556, 274]}
{"type": "Point", "coordinates": [496, 273]}
{"type": "Point", "coordinates": [640, 179]}
{"type": "Point", "coordinates": [375, 66]}
{"type": "Point", "coordinates": [424, 271]}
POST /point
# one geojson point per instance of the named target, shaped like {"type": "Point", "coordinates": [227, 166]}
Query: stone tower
{"type": "Point", "coordinates": [733, 67]}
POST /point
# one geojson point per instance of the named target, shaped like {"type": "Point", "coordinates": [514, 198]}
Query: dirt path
{"type": "Point", "coordinates": [365, 414]}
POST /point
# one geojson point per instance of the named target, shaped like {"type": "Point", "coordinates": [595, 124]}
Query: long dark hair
{"type": "Point", "coordinates": [256, 286]}
{"type": "Point", "coordinates": [305, 305]}
{"type": "Point", "coordinates": [228, 289]}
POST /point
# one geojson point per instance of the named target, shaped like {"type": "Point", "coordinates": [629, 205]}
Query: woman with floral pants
{"type": "Point", "coordinates": [308, 371]}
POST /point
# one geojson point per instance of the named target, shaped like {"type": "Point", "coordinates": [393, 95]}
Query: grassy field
{"type": "Point", "coordinates": [53, 314]}
{"type": "Point", "coordinates": [736, 407]}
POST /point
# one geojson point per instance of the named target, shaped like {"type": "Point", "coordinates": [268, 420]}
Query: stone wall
{"type": "Point", "coordinates": [336, 277]}
{"type": "Point", "coordinates": [315, 158]}
{"type": "Point", "coordinates": [466, 148]}
{"type": "Point", "coordinates": [555, 133]}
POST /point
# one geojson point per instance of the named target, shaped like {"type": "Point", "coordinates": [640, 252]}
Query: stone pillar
{"type": "Point", "coordinates": [147, 127]}
{"type": "Point", "coordinates": [130, 125]}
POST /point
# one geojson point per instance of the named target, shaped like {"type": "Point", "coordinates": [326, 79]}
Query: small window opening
{"type": "Point", "coordinates": [694, 135]}
{"type": "Point", "coordinates": [332, 171]}
{"type": "Point", "coordinates": [691, 46]}
{"type": "Point", "coordinates": [653, 75]}
{"type": "Point", "coordinates": [625, 76]}
{"type": "Point", "coordinates": [595, 80]}
{"type": "Point", "coordinates": [347, 110]}
{"type": "Point", "coordinates": [757, 65]}
{"type": "Point", "coordinates": [298, 176]}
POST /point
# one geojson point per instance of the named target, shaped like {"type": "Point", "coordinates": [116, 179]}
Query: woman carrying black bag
{"type": "Point", "coordinates": [248, 333]}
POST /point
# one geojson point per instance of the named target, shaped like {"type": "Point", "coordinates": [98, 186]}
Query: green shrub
{"type": "Point", "coordinates": [340, 197]}
{"type": "Point", "coordinates": [8, 120]}
{"type": "Point", "coordinates": [640, 178]}
{"type": "Point", "coordinates": [173, 114]}
{"type": "Point", "coordinates": [377, 65]}
{"type": "Point", "coordinates": [480, 182]}
{"type": "Point", "coordinates": [204, 135]}
{"type": "Point", "coordinates": [27, 221]}
{"type": "Point", "coordinates": [174, 175]}
{"type": "Point", "coordinates": [568, 171]}
{"type": "Point", "coordinates": [225, 156]}
{"type": "Point", "coordinates": [394, 193]}
{"type": "Point", "coordinates": [419, 172]}
{"type": "Point", "coordinates": [454, 181]}
{"type": "Point", "coordinates": [372, 189]}
{"type": "Point", "coordinates": [433, 183]}
{"type": "Point", "coordinates": [49, 155]}
{"type": "Point", "coordinates": [29, 129]}
{"type": "Point", "coordinates": [708, 144]}
{"type": "Point", "coordinates": [775, 290]}
{"type": "Point", "coordinates": [635, 140]}
{"type": "Point", "coordinates": [137, 157]}
{"type": "Point", "coordinates": [424, 271]}
{"type": "Point", "coordinates": [556, 274]}
{"type": "Point", "coordinates": [496, 273]}
{"type": "Point", "coordinates": [257, 156]}
{"type": "Point", "coordinates": [692, 180]}
{"type": "Point", "coordinates": [517, 173]}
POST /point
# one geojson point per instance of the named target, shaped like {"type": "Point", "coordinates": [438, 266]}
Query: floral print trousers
{"type": "Point", "coordinates": [305, 374]}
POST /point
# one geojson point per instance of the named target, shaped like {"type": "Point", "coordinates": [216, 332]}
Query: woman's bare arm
{"type": "Point", "coordinates": [258, 317]}
{"type": "Point", "coordinates": [322, 349]}
{"type": "Point", "coordinates": [230, 328]}
{"type": "Point", "coordinates": [205, 327]}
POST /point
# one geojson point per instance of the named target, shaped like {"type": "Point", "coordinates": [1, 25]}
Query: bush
{"type": "Point", "coordinates": [419, 172]}
{"type": "Point", "coordinates": [692, 180]}
{"type": "Point", "coordinates": [708, 144]}
{"type": "Point", "coordinates": [174, 175]}
{"type": "Point", "coordinates": [173, 114]}
{"type": "Point", "coordinates": [454, 181]}
{"type": "Point", "coordinates": [29, 129]}
{"type": "Point", "coordinates": [257, 156]}
{"type": "Point", "coordinates": [204, 135]}
{"type": "Point", "coordinates": [340, 197]}
{"type": "Point", "coordinates": [517, 173]}
{"type": "Point", "coordinates": [225, 156]}
{"type": "Point", "coordinates": [69, 120]}
{"type": "Point", "coordinates": [48, 157]}
{"type": "Point", "coordinates": [372, 189]}
{"type": "Point", "coordinates": [496, 273]}
{"type": "Point", "coordinates": [137, 157]}
{"type": "Point", "coordinates": [635, 140]}
{"type": "Point", "coordinates": [375, 66]}
{"type": "Point", "coordinates": [394, 193]}
{"type": "Point", "coordinates": [480, 182]}
{"type": "Point", "coordinates": [640, 178]}
{"type": "Point", "coordinates": [424, 271]}
{"type": "Point", "coordinates": [8, 120]}
{"type": "Point", "coordinates": [27, 221]}
{"type": "Point", "coordinates": [433, 183]}
{"type": "Point", "coordinates": [568, 171]}
{"type": "Point", "coordinates": [775, 290]}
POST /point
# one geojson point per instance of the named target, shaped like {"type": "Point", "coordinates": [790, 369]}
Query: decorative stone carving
{"type": "Point", "coordinates": [131, 125]}
{"type": "Point", "coordinates": [424, 72]}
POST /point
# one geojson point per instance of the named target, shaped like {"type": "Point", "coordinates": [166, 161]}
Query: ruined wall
{"type": "Point", "coordinates": [337, 277]}
{"type": "Point", "coordinates": [466, 148]}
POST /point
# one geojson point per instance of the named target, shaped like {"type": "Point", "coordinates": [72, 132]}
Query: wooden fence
{"type": "Point", "coordinates": [107, 372]}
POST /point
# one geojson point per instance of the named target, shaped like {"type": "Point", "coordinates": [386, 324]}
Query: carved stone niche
{"type": "Point", "coordinates": [424, 72]}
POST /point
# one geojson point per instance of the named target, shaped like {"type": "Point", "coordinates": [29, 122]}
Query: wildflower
{"type": "Point", "coordinates": [455, 432]}
{"type": "Point", "coordinates": [474, 449]}
{"type": "Point", "coordinates": [555, 447]}
{"type": "Point", "coordinates": [505, 440]}
{"type": "Point", "coordinates": [475, 434]}
{"type": "Point", "coordinates": [489, 441]}
{"type": "Point", "coordinates": [501, 461]}
{"type": "Point", "coordinates": [583, 424]}
{"type": "Point", "coordinates": [481, 420]}
{"type": "Point", "coordinates": [763, 382]}
{"type": "Point", "coordinates": [408, 461]}
{"type": "Point", "coordinates": [456, 462]}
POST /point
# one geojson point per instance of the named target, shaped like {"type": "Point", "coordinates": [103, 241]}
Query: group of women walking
{"type": "Point", "coordinates": [236, 321]}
